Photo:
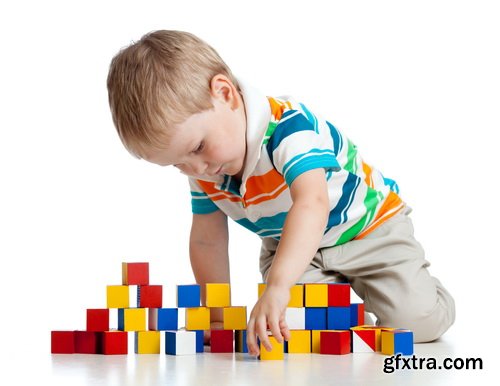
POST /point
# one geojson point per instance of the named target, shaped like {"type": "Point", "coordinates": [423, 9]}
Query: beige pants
{"type": "Point", "coordinates": [386, 269]}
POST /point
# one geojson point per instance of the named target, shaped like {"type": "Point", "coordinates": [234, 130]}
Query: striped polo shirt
{"type": "Point", "coordinates": [284, 140]}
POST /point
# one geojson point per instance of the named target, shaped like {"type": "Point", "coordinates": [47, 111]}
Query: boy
{"type": "Point", "coordinates": [274, 167]}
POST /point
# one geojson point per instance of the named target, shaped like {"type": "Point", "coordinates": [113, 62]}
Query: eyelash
{"type": "Point", "coordinates": [199, 148]}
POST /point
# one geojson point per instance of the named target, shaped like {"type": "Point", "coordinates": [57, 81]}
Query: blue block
{"type": "Point", "coordinates": [188, 295]}
{"type": "Point", "coordinates": [170, 343]}
{"type": "Point", "coordinates": [354, 314]}
{"type": "Point", "coordinates": [121, 319]}
{"type": "Point", "coordinates": [168, 319]}
{"type": "Point", "coordinates": [339, 318]}
{"type": "Point", "coordinates": [240, 338]}
{"type": "Point", "coordinates": [316, 318]}
{"type": "Point", "coordinates": [200, 347]}
{"type": "Point", "coordinates": [403, 342]}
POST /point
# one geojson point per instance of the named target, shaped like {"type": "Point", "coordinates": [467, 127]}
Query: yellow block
{"type": "Point", "coordinates": [198, 318]}
{"type": "Point", "coordinates": [218, 295]}
{"type": "Point", "coordinates": [235, 318]}
{"type": "Point", "coordinates": [277, 352]}
{"type": "Point", "coordinates": [387, 342]}
{"type": "Point", "coordinates": [117, 296]}
{"type": "Point", "coordinates": [316, 295]}
{"type": "Point", "coordinates": [134, 319]}
{"type": "Point", "coordinates": [378, 335]}
{"type": "Point", "coordinates": [300, 342]}
{"type": "Point", "coordinates": [315, 341]}
{"type": "Point", "coordinates": [296, 295]}
{"type": "Point", "coordinates": [147, 342]}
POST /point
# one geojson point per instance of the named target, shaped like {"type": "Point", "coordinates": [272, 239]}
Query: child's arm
{"type": "Point", "coordinates": [208, 250]}
{"type": "Point", "coordinates": [302, 233]}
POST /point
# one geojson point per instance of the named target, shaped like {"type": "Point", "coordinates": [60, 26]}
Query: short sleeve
{"type": "Point", "coordinates": [299, 144]}
{"type": "Point", "coordinates": [200, 202]}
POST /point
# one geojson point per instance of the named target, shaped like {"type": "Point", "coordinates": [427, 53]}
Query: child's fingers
{"type": "Point", "coordinates": [261, 329]}
{"type": "Point", "coordinates": [274, 326]}
{"type": "Point", "coordinates": [284, 330]}
{"type": "Point", "coordinates": [251, 340]}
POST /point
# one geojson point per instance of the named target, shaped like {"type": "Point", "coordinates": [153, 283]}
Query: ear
{"type": "Point", "coordinates": [223, 90]}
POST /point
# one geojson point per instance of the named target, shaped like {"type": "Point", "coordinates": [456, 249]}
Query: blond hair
{"type": "Point", "coordinates": [158, 82]}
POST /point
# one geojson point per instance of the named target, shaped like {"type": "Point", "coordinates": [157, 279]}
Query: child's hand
{"type": "Point", "coordinates": [268, 311]}
{"type": "Point", "coordinates": [213, 326]}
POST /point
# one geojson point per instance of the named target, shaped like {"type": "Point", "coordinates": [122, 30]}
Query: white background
{"type": "Point", "coordinates": [414, 84]}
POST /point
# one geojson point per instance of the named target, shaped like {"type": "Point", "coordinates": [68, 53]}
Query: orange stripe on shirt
{"type": "Point", "coordinates": [368, 174]}
{"type": "Point", "coordinates": [392, 205]}
{"type": "Point", "coordinates": [216, 194]}
{"type": "Point", "coordinates": [265, 187]}
{"type": "Point", "coordinates": [278, 107]}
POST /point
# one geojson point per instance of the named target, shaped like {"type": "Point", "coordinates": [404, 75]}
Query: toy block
{"type": "Point", "coordinates": [117, 296]}
{"type": "Point", "coordinates": [197, 318]}
{"type": "Point", "coordinates": [114, 343]}
{"type": "Point", "coordinates": [277, 352]}
{"type": "Point", "coordinates": [87, 342]}
{"type": "Point", "coordinates": [397, 341]}
{"type": "Point", "coordinates": [132, 319]}
{"type": "Point", "coordinates": [335, 342]}
{"type": "Point", "coordinates": [221, 341]}
{"type": "Point", "coordinates": [98, 319]}
{"type": "Point", "coordinates": [180, 342]}
{"type": "Point", "coordinates": [357, 314]}
{"type": "Point", "coordinates": [378, 330]}
{"type": "Point", "coordinates": [296, 294]}
{"type": "Point", "coordinates": [316, 318]}
{"type": "Point", "coordinates": [315, 341]}
{"type": "Point", "coordinates": [218, 295]}
{"type": "Point", "coordinates": [363, 340]}
{"type": "Point", "coordinates": [316, 295]}
{"type": "Point", "coordinates": [240, 341]}
{"type": "Point", "coordinates": [200, 345]}
{"type": "Point", "coordinates": [235, 318]}
{"type": "Point", "coordinates": [296, 318]}
{"type": "Point", "coordinates": [149, 296]}
{"type": "Point", "coordinates": [299, 342]}
{"type": "Point", "coordinates": [162, 319]}
{"type": "Point", "coordinates": [188, 296]}
{"type": "Point", "coordinates": [338, 318]}
{"type": "Point", "coordinates": [147, 342]}
{"type": "Point", "coordinates": [339, 295]}
{"type": "Point", "coordinates": [135, 273]}
{"type": "Point", "coordinates": [62, 342]}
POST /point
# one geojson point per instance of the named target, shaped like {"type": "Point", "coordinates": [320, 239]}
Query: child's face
{"type": "Point", "coordinates": [209, 143]}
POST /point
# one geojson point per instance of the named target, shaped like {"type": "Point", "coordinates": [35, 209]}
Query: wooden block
{"type": "Point", "coordinates": [299, 343]}
{"type": "Point", "coordinates": [357, 314]}
{"type": "Point", "coordinates": [198, 318]}
{"type": "Point", "coordinates": [363, 340]}
{"type": "Point", "coordinates": [277, 352]}
{"type": "Point", "coordinates": [316, 341]}
{"type": "Point", "coordinates": [200, 345]}
{"type": "Point", "coordinates": [98, 319]}
{"type": "Point", "coordinates": [114, 343]}
{"type": "Point", "coordinates": [162, 319]}
{"type": "Point", "coordinates": [87, 342]}
{"type": "Point", "coordinates": [149, 296]}
{"type": "Point", "coordinates": [338, 318]}
{"type": "Point", "coordinates": [221, 341]}
{"type": "Point", "coordinates": [296, 318]}
{"type": "Point", "coordinates": [339, 294]}
{"type": "Point", "coordinates": [397, 341]}
{"type": "Point", "coordinates": [316, 318]}
{"type": "Point", "coordinates": [188, 296]}
{"type": "Point", "coordinates": [296, 295]}
{"type": "Point", "coordinates": [117, 296]}
{"type": "Point", "coordinates": [218, 295]}
{"type": "Point", "coordinates": [316, 295]}
{"type": "Point", "coordinates": [378, 330]}
{"type": "Point", "coordinates": [132, 319]}
{"type": "Point", "coordinates": [235, 318]}
{"type": "Point", "coordinates": [180, 342]}
{"type": "Point", "coordinates": [147, 342]}
{"type": "Point", "coordinates": [135, 273]}
{"type": "Point", "coordinates": [240, 341]}
{"type": "Point", "coordinates": [62, 342]}
{"type": "Point", "coordinates": [335, 342]}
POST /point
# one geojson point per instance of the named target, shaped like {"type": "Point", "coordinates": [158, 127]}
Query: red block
{"type": "Point", "coordinates": [62, 342]}
{"type": "Point", "coordinates": [114, 343]}
{"type": "Point", "coordinates": [135, 273]}
{"type": "Point", "coordinates": [149, 296]}
{"type": "Point", "coordinates": [87, 342]}
{"type": "Point", "coordinates": [98, 319]}
{"type": "Point", "coordinates": [360, 313]}
{"type": "Point", "coordinates": [221, 341]}
{"type": "Point", "coordinates": [339, 295]}
{"type": "Point", "coordinates": [335, 342]}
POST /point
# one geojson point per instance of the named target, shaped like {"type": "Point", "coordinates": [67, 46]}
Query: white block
{"type": "Point", "coordinates": [296, 318]}
{"type": "Point", "coordinates": [180, 342]}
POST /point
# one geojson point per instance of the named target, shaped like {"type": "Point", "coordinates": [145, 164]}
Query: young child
{"type": "Point", "coordinates": [270, 164]}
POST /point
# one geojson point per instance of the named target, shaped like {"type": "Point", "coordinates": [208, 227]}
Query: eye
{"type": "Point", "coordinates": [199, 149]}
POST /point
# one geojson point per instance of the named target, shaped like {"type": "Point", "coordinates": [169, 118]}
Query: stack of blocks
{"type": "Point", "coordinates": [320, 317]}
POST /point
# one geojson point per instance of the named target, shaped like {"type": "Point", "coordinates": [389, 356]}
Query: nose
{"type": "Point", "coordinates": [198, 167]}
